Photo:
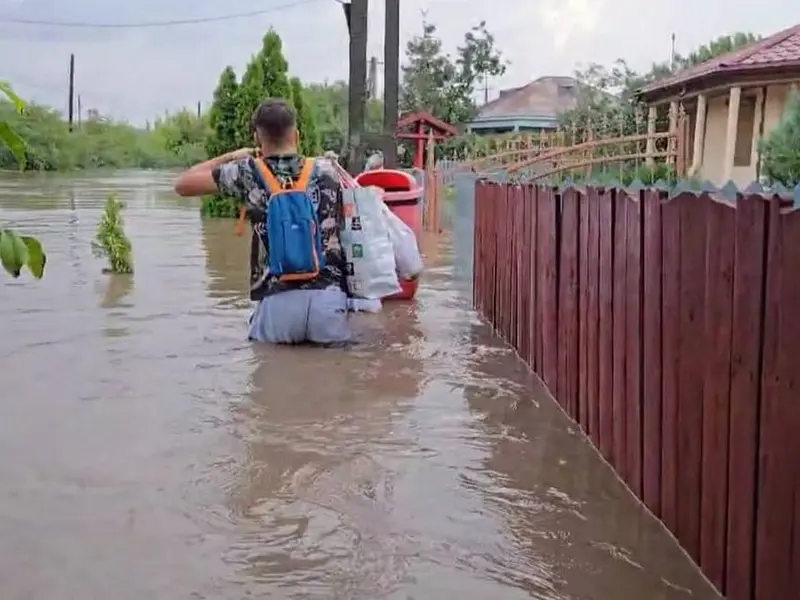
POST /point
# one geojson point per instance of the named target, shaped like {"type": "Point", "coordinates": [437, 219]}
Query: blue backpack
{"type": "Point", "coordinates": [293, 233]}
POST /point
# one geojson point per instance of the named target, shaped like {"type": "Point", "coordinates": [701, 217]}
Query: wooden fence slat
{"type": "Point", "coordinates": [480, 266]}
{"type": "Point", "coordinates": [488, 246]}
{"type": "Point", "coordinates": [651, 351]}
{"type": "Point", "coordinates": [692, 355]}
{"type": "Point", "coordinates": [511, 258]}
{"type": "Point", "coordinates": [505, 264]}
{"type": "Point", "coordinates": [497, 209]}
{"type": "Point", "coordinates": [605, 332]}
{"type": "Point", "coordinates": [778, 502]}
{"type": "Point", "coordinates": [536, 317]}
{"type": "Point", "coordinates": [525, 269]}
{"type": "Point", "coordinates": [593, 317]}
{"type": "Point", "coordinates": [618, 326]}
{"type": "Point", "coordinates": [478, 261]}
{"type": "Point", "coordinates": [568, 303]}
{"type": "Point", "coordinates": [670, 349]}
{"type": "Point", "coordinates": [581, 414]}
{"type": "Point", "coordinates": [633, 344]}
{"type": "Point", "coordinates": [548, 296]}
{"type": "Point", "coordinates": [508, 265]}
{"type": "Point", "coordinates": [746, 342]}
{"type": "Point", "coordinates": [521, 282]}
{"type": "Point", "coordinates": [721, 235]}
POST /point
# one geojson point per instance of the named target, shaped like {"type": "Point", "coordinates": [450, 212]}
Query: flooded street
{"type": "Point", "coordinates": [148, 451]}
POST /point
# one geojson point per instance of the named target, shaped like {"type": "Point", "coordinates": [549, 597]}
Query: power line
{"type": "Point", "coordinates": [144, 24]}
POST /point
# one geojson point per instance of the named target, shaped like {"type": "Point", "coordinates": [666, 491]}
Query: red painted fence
{"type": "Point", "coordinates": [670, 331]}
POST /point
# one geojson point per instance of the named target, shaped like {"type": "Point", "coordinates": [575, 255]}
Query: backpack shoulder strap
{"type": "Point", "coordinates": [267, 176]}
{"type": "Point", "coordinates": [305, 175]}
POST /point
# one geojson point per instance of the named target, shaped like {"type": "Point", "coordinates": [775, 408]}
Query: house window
{"type": "Point", "coordinates": [743, 151]}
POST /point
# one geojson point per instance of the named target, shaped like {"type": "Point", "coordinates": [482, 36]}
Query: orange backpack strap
{"type": "Point", "coordinates": [268, 176]}
{"type": "Point", "coordinates": [305, 175]}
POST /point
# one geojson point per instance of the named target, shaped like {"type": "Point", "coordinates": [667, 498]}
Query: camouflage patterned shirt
{"type": "Point", "coordinates": [237, 180]}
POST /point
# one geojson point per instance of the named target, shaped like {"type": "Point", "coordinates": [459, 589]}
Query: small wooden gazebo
{"type": "Point", "coordinates": [420, 126]}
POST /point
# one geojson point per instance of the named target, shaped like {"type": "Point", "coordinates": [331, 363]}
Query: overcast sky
{"type": "Point", "coordinates": [138, 73]}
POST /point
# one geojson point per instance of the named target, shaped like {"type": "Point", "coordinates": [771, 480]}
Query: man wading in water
{"type": "Point", "coordinates": [297, 266]}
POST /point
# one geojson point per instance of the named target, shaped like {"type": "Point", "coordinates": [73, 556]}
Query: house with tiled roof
{"type": "Point", "coordinates": [531, 107]}
{"type": "Point", "coordinates": [732, 102]}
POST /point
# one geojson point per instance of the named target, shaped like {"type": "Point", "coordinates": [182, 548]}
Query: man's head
{"type": "Point", "coordinates": [275, 127]}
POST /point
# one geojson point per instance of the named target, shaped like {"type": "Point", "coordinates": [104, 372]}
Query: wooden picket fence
{"type": "Point", "coordinates": [669, 329]}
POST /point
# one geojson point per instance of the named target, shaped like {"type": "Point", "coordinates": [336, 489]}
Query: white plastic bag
{"type": "Point", "coordinates": [371, 268]}
{"type": "Point", "coordinates": [404, 243]}
{"type": "Point", "coordinates": [364, 305]}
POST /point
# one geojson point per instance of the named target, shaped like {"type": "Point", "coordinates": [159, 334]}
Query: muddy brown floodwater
{"type": "Point", "coordinates": [148, 451]}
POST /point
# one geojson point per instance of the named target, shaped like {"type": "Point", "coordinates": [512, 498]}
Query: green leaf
{"type": "Point", "coordinates": [5, 89]}
{"type": "Point", "coordinates": [12, 140]}
{"type": "Point", "coordinates": [13, 252]}
{"type": "Point", "coordinates": [36, 256]}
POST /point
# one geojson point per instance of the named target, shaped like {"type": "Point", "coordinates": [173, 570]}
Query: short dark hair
{"type": "Point", "coordinates": [274, 118]}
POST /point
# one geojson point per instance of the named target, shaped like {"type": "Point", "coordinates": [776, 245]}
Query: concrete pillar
{"type": "Point", "coordinates": [651, 129]}
{"type": "Point", "coordinates": [699, 135]}
{"type": "Point", "coordinates": [730, 133]}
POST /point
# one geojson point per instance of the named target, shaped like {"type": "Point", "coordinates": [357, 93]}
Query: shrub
{"type": "Point", "coordinates": [780, 150]}
{"type": "Point", "coordinates": [110, 240]}
{"type": "Point", "coordinates": [219, 207]}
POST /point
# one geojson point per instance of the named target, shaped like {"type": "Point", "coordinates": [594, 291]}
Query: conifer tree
{"type": "Point", "coordinates": [306, 122]}
{"type": "Point", "coordinates": [251, 94]}
{"type": "Point", "coordinates": [223, 115]}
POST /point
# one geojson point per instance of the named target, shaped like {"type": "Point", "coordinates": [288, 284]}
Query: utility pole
{"type": "Point", "coordinates": [486, 89]}
{"type": "Point", "coordinates": [71, 88]}
{"type": "Point", "coordinates": [358, 79]}
{"type": "Point", "coordinates": [672, 54]}
{"type": "Point", "coordinates": [198, 109]}
{"type": "Point", "coordinates": [372, 78]}
{"type": "Point", "coordinates": [80, 112]}
{"type": "Point", "coordinates": [391, 81]}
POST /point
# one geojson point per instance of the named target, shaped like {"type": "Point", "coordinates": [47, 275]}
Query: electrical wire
{"type": "Point", "coordinates": [146, 24]}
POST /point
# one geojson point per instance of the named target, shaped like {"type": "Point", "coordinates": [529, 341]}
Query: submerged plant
{"type": "Point", "coordinates": [110, 240]}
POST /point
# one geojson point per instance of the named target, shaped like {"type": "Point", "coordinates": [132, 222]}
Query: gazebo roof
{"type": "Point", "coordinates": [427, 118]}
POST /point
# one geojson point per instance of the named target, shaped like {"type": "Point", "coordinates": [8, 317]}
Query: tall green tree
{"type": "Point", "coordinates": [251, 94]}
{"type": "Point", "coordinates": [329, 101]}
{"type": "Point", "coordinates": [222, 117]}
{"type": "Point", "coordinates": [306, 122]}
{"type": "Point", "coordinates": [266, 76]}
{"type": "Point", "coordinates": [717, 47]}
{"type": "Point", "coordinates": [275, 68]}
{"type": "Point", "coordinates": [442, 85]}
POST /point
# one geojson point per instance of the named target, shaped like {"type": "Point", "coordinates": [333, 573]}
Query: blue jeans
{"type": "Point", "coordinates": [297, 316]}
